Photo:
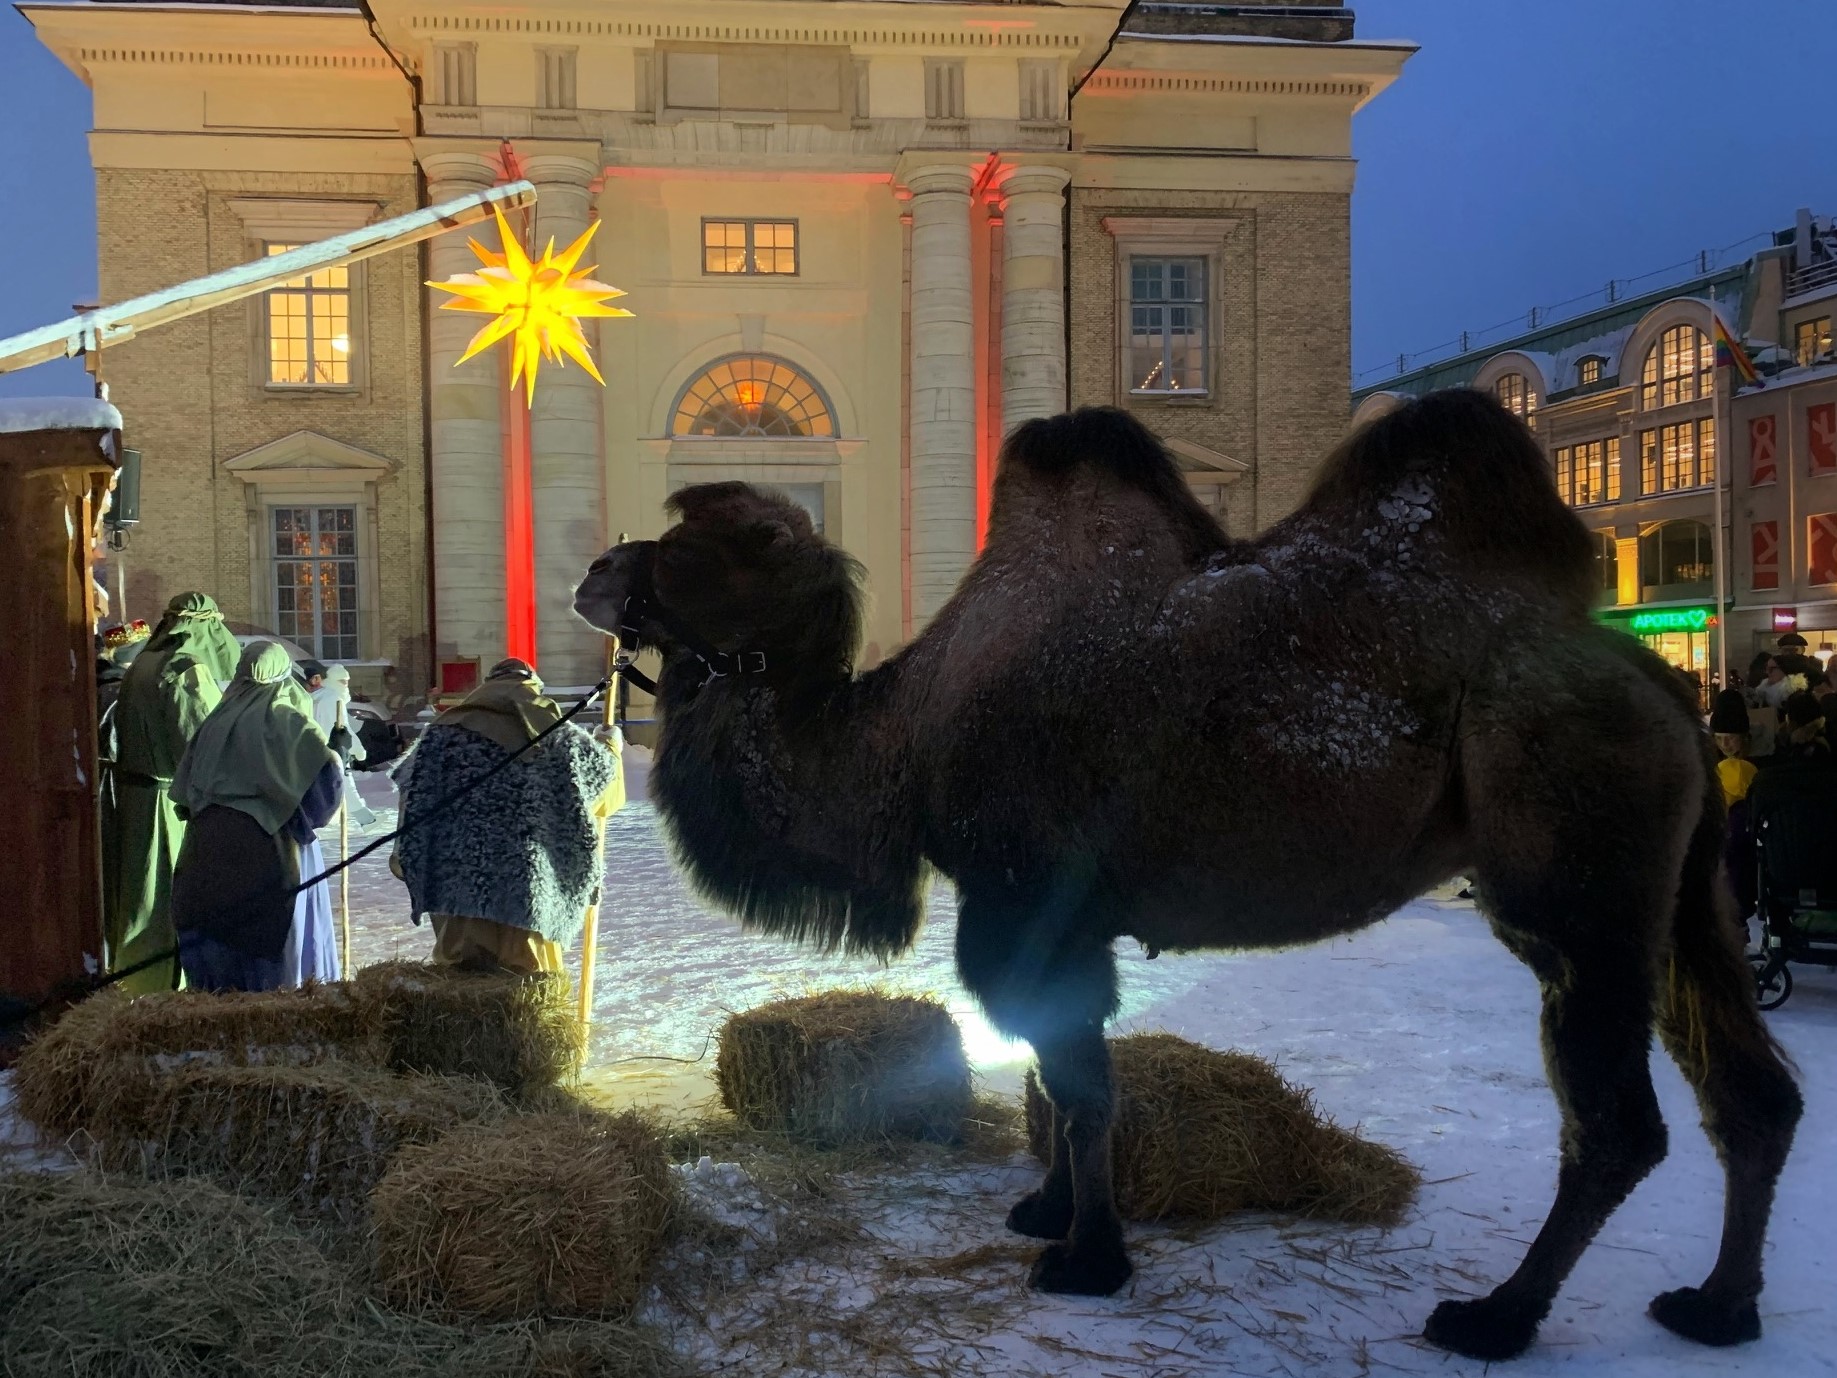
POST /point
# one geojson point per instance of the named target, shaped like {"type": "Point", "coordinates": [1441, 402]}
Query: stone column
{"type": "Point", "coordinates": [943, 385]}
{"type": "Point", "coordinates": [466, 434]}
{"type": "Point", "coordinates": [1033, 294]}
{"type": "Point", "coordinates": [566, 460]}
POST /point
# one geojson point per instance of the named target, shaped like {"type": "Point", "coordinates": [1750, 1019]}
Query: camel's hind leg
{"type": "Point", "coordinates": [1709, 1024]}
{"type": "Point", "coordinates": [1583, 897]}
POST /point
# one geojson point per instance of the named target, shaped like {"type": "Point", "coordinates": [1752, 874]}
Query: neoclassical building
{"type": "Point", "coordinates": [862, 240]}
{"type": "Point", "coordinates": [1641, 427]}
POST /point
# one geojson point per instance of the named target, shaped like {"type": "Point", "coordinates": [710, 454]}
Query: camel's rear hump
{"type": "Point", "coordinates": [1478, 481]}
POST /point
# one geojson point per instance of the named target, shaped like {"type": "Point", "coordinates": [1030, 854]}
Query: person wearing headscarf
{"type": "Point", "coordinates": [256, 781]}
{"type": "Point", "coordinates": [507, 869]}
{"type": "Point", "coordinates": [165, 695]}
{"type": "Point", "coordinates": [331, 699]}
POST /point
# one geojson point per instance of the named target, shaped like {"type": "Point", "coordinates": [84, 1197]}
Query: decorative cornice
{"type": "Point", "coordinates": [437, 26]}
{"type": "Point", "coordinates": [1123, 82]}
{"type": "Point", "coordinates": [200, 57]}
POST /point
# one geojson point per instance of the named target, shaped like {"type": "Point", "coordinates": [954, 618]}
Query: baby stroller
{"type": "Point", "coordinates": [1794, 810]}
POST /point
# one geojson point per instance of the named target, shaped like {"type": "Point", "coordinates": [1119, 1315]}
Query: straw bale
{"type": "Point", "coordinates": [1202, 1134]}
{"type": "Point", "coordinates": [180, 1279]}
{"type": "Point", "coordinates": [542, 1215]}
{"type": "Point", "coordinates": [323, 1133]}
{"type": "Point", "coordinates": [57, 1071]}
{"type": "Point", "coordinates": [845, 1066]}
{"type": "Point", "coordinates": [520, 1032]}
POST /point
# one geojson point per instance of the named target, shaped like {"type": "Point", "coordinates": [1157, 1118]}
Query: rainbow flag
{"type": "Point", "coordinates": [1730, 354]}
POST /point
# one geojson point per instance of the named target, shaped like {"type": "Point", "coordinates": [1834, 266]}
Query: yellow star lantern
{"type": "Point", "coordinates": [539, 302]}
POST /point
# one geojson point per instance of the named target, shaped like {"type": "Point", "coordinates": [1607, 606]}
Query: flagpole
{"type": "Point", "coordinates": [1719, 458]}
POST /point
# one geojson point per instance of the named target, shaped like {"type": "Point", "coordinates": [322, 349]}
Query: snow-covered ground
{"type": "Point", "coordinates": [1422, 1030]}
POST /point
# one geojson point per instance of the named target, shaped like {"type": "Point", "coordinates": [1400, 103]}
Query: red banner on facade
{"type": "Point", "coordinates": [1763, 433]}
{"type": "Point", "coordinates": [1821, 541]}
{"type": "Point", "coordinates": [1821, 443]}
{"type": "Point", "coordinates": [1765, 541]}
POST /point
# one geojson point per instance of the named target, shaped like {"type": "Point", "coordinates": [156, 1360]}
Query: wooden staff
{"type": "Point", "coordinates": [344, 876]}
{"type": "Point", "coordinates": [590, 937]}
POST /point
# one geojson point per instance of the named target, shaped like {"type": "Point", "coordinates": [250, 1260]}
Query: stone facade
{"type": "Point", "coordinates": [1281, 337]}
{"type": "Point", "coordinates": [961, 199]}
{"type": "Point", "coordinates": [1618, 377]}
{"type": "Point", "coordinates": [197, 402]}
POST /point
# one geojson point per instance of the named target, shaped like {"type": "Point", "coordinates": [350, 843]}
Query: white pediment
{"type": "Point", "coordinates": [306, 453]}
{"type": "Point", "coordinates": [1205, 464]}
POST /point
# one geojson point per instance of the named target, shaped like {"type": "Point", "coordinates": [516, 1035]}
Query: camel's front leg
{"type": "Point", "coordinates": [1075, 1072]}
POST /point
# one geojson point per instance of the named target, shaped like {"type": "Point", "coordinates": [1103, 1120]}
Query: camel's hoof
{"type": "Point", "coordinates": [1037, 1218]}
{"type": "Point", "coordinates": [1483, 1328]}
{"type": "Point", "coordinates": [1084, 1272]}
{"type": "Point", "coordinates": [1695, 1315]}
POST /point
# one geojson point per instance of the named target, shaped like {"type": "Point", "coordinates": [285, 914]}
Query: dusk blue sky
{"type": "Point", "coordinates": [1530, 153]}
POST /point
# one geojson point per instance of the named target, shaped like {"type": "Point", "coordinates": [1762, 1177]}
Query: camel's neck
{"type": "Point", "coordinates": [794, 810]}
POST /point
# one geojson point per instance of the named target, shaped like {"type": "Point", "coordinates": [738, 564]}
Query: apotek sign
{"type": "Point", "coordinates": [1671, 620]}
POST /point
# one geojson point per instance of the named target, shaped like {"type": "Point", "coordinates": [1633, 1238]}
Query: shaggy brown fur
{"type": "Point", "coordinates": [1114, 729]}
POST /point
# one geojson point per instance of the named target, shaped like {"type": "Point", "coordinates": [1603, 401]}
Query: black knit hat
{"type": "Point", "coordinates": [1730, 714]}
{"type": "Point", "coordinates": [1792, 641]}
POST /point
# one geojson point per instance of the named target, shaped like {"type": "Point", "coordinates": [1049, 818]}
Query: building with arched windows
{"type": "Point", "coordinates": [1624, 401]}
{"type": "Point", "coordinates": [862, 241]}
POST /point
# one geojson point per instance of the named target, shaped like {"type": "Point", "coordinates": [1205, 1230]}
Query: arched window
{"type": "Point", "coordinates": [1588, 369]}
{"type": "Point", "coordinates": [1679, 368]}
{"type": "Point", "coordinates": [752, 395]}
{"type": "Point", "coordinates": [1514, 390]}
{"type": "Point", "coordinates": [1675, 553]}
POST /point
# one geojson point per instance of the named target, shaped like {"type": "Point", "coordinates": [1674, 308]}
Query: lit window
{"type": "Point", "coordinates": [749, 246]}
{"type": "Point", "coordinates": [1167, 325]}
{"type": "Point", "coordinates": [309, 328]}
{"type": "Point", "coordinates": [1589, 370]}
{"type": "Point", "coordinates": [1607, 562]}
{"type": "Point", "coordinates": [315, 579]}
{"type": "Point", "coordinates": [1679, 368]}
{"type": "Point", "coordinates": [1810, 339]}
{"type": "Point", "coordinates": [1589, 474]}
{"type": "Point", "coordinates": [1677, 457]}
{"type": "Point", "coordinates": [752, 395]}
{"type": "Point", "coordinates": [1514, 391]}
{"type": "Point", "coordinates": [1676, 553]}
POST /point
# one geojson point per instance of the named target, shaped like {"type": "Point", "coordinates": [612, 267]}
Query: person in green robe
{"type": "Point", "coordinates": [168, 692]}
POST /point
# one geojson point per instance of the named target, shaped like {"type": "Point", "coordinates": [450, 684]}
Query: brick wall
{"type": "Point", "coordinates": [1284, 334]}
{"type": "Point", "coordinates": [191, 398]}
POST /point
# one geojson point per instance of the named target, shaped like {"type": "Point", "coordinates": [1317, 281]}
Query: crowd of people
{"type": "Point", "coordinates": [220, 762]}
{"type": "Point", "coordinates": [1774, 738]}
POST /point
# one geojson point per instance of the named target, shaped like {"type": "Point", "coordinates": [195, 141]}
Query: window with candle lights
{"type": "Point", "coordinates": [309, 328]}
{"type": "Point", "coordinates": [315, 579]}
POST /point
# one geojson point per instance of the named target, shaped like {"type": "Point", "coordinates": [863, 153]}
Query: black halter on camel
{"type": "Point", "coordinates": [641, 603]}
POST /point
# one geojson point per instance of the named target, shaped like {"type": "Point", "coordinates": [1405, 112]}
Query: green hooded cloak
{"type": "Point", "coordinates": [167, 693]}
{"type": "Point", "coordinates": [260, 750]}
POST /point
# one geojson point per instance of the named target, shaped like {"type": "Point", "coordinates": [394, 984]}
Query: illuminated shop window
{"type": "Point", "coordinates": [749, 246]}
{"type": "Point", "coordinates": [752, 395]}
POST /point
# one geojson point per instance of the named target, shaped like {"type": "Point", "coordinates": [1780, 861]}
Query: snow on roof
{"type": "Point", "coordinates": [21, 414]}
{"type": "Point", "coordinates": [1606, 347]}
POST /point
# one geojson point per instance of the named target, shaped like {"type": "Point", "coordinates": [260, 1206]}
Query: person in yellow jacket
{"type": "Point", "coordinates": [505, 866]}
{"type": "Point", "coordinates": [1729, 723]}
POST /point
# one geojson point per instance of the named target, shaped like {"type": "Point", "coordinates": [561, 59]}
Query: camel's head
{"type": "Point", "coordinates": [742, 571]}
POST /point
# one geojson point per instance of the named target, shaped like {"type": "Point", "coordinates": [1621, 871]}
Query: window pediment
{"type": "Point", "coordinates": [306, 455]}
